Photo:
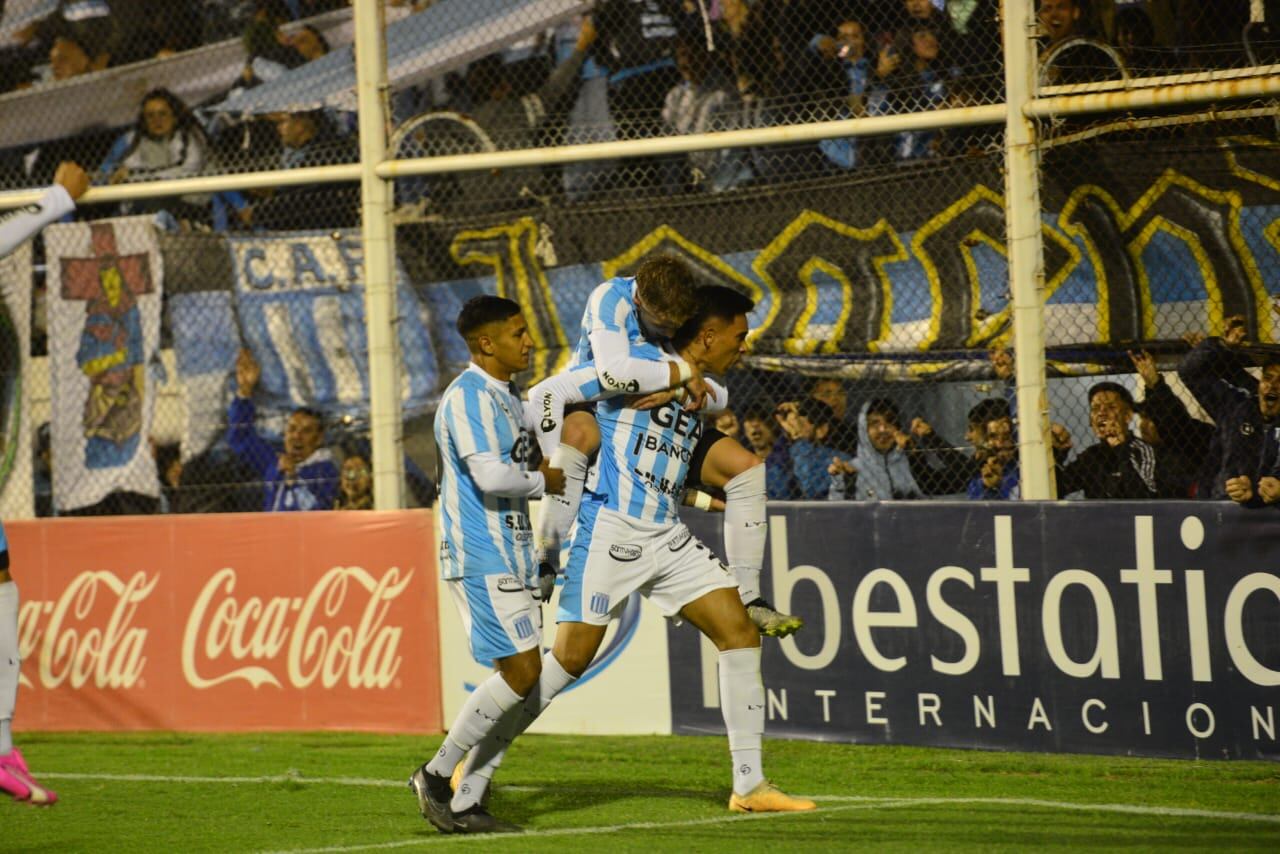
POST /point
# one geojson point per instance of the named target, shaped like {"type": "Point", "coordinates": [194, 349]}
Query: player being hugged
{"type": "Point", "coordinates": [629, 537]}
{"type": "Point", "coordinates": [626, 323]}
{"type": "Point", "coordinates": [486, 544]}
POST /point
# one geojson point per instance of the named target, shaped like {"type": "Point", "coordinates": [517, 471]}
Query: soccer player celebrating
{"type": "Point", "coordinates": [623, 321]}
{"type": "Point", "coordinates": [486, 551]}
{"type": "Point", "coordinates": [70, 183]}
{"type": "Point", "coordinates": [629, 537]}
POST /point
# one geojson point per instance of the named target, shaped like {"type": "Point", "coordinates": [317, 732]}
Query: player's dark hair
{"type": "Point", "coordinates": [988, 409]}
{"type": "Point", "coordinates": [480, 312]}
{"type": "Point", "coordinates": [886, 408]}
{"type": "Point", "coordinates": [665, 283]}
{"type": "Point", "coordinates": [1099, 388]}
{"type": "Point", "coordinates": [712, 301]}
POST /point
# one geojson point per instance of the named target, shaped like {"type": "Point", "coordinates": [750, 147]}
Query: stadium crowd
{"type": "Point", "coordinates": [638, 68]}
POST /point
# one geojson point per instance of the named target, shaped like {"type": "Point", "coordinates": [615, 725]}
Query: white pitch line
{"type": "Point", "coordinates": [452, 839]}
{"type": "Point", "coordinates": [848, 803]}
{"type": "Point", "coordinates": [273, 778]}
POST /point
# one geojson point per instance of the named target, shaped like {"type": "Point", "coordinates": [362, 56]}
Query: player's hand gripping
{"type": "Point", "coordinates": [554, 479]}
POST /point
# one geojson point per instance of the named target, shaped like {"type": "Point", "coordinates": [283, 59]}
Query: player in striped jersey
{"type": "Point", "coordinates": [630, 537]}
{"type": "Point", "coordinates": [486, 544]}
{"type": "Point", "coordinates": [16, 227]}
{"type": "Point", "coordinates": [623, 321]}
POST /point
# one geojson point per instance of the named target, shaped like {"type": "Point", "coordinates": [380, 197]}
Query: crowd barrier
{"type": "Point", "coordinates": [1125, 627]}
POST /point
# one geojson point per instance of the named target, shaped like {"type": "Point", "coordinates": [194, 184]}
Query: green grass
{"type": "Point", "coordinates": [559, 787]}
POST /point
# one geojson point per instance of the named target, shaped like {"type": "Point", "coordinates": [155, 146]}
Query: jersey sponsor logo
{"type": "Point", "coordinates": [509, 584]}
{"type": "Point", "coordinates": [517, 522]}
{"type": "Point", "coordinates": [680, 540]}
{"type": "Point", "coordinates": [665, 485]}
{"type": "Point", "coordinates": [659, 445]}
{"type": "Point", "coordinates": [600, 603]}
{"type": "Point", "coordinates": [25, 209]}
{"type": "Point", "coordinates": [548, 423]}
{"type": "Point", "coordinates": [625, 552]}
{"type": "Point", "coordinates": [522, 448]}
{"type": "Point", "coordinates": [617, 385]}
{"type": "Point", "coordinates": [674, 416]}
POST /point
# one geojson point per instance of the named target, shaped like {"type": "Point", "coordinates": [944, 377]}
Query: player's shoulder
{"type": "Point", "coordinates": [464, 384]}
{"type": "Point", "coordinates": [615, 289]}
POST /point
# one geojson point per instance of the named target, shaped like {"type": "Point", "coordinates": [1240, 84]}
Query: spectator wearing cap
{"type": "Point", "coordinates": [1247, 419]}
{"type": "Point", "coordinates": [1119, 465]}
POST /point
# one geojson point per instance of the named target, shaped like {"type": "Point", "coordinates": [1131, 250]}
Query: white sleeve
{"type": "Point", "coordinates": [19, 225]}
{"type": "Point", "coordinates": [494, 477]}
{"type": "Point", "coordinates": [548, 399]}
{"type": "Point", "coordinates": [619, 371]}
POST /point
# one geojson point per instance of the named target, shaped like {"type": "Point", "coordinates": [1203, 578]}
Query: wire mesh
{"type": "Point", "coordinates": [882, 328]}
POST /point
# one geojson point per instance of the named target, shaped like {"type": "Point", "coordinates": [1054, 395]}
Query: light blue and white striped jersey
{"type": "Point", "coordinates": [612, 307]}
{"type": "Point", "coordinates": [644, 458]}
{"type": "Point", "coordinates": [481, 534]}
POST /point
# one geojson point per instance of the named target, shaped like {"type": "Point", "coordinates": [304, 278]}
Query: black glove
{"type": "Point", "coordinates": [546, 581]}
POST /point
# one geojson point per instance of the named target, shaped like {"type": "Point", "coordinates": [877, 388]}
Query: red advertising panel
{"type": "Point", "coordinates": [228, 622]}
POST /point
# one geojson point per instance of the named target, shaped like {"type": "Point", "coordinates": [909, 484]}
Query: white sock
{"type": "Point", "coordinates": [477, 717]}
{"type": "Point", "coordinates": [489, 753]}
{"type": "Point", "coordinates": [746, 526]}
{"type": "Point", "coordinates": [742, 704]}
{"type": "Point", "coordinates": [10, 663]}
{"type": "Point", "coordinates": [559, 511]}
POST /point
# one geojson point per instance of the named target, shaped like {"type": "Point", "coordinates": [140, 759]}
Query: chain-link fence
{"type": "Point", "coordinates": [168, 333]}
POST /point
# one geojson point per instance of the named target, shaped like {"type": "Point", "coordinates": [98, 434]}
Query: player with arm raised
{"type": "Point", "coordinates": [629, 537]}
{"type": "Point", "coordinates": [623, 325]}
{"type": "Point", "coordinates": [16, 227]}
{"type": "Point", "coordinates": [486, 543]}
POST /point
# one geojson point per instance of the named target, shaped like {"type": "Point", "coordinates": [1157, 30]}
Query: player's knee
{"type": "Point", "coordinates": [581, 431]}
{"type": "Point", "coordinates": [574, 658]}
{"type": "Point", "coordinates": [521, 673]}
{"type": "Point", "coordinates": [736, 632]}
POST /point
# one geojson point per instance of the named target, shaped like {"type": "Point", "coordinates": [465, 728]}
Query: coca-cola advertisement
{"type": "Point", "coordinates": [229, 622]}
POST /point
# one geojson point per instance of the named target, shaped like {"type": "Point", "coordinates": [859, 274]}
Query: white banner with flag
{"type": "Point", "coordinates": [17, 491]}
{"type": "Point", "coordinates": [104, 330]}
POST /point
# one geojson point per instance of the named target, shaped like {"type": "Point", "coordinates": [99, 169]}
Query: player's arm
{"type": "Point", "coordinates": [623, 372]}
{"type": "Point", "coordinates": [544, 412]}
{"type": "Point", "coordinates": [477, 447]}
{"type": "Point", "coordinates": [505, 480]}
{"type": "Point", "coordinates": [18, 226]}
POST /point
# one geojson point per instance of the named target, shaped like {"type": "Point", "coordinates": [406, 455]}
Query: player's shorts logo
{"type": "Point", "coordinates": [509, 584]}
{"type": "Point", "coordinates": [625, 553]}
{"type": "Point", "coordinates": [524, 628]}
{"type": "Point", "coordinates": [600, 603]}
{"type": "Point", "coordinates": [680, 540]}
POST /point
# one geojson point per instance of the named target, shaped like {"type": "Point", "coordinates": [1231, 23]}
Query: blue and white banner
{"type": "Point", "coordinates": [16, 490]}
{"type": "Point", "coordinates": [297, 302]}
{"type": "Point", "coordinates": [105, 282]}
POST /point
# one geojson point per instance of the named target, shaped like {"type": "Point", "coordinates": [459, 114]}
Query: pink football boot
{"type": "Point", "coordinates": [17, 781]}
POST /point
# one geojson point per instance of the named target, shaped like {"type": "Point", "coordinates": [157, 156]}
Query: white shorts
{"type": "Point", "coordinates": [498, 614]}
{"type": "Point", "coordinates": [616, 555]}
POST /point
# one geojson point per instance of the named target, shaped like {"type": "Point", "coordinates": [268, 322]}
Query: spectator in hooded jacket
{"type": "Point", "coordinates": [881, 470]}
{"type": "Point", "coordinates": [1248, 423]}
{"type": "Point", "coordinates": [301, 477]}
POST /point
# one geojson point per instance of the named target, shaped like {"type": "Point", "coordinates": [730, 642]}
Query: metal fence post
{"type": "Point", "coordinates": [1025, 251]}
{"type": "Point", "coordinates": [379, 259]}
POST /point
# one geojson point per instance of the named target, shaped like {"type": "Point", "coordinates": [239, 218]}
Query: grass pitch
{"type": "Point", "coordinates": [324, 792]}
